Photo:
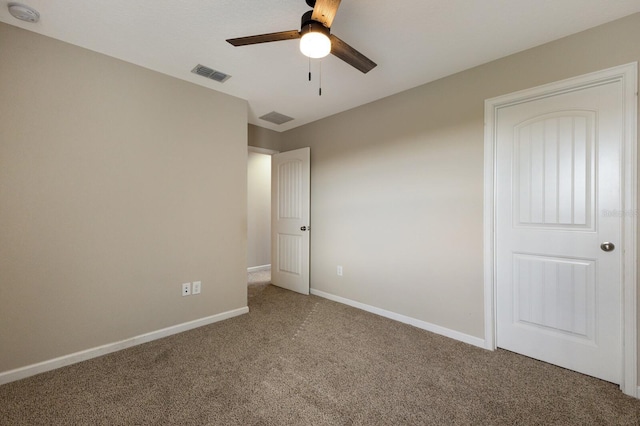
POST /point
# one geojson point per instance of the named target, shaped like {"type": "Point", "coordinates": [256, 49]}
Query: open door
{"type": "Point", "coordinates": [290, 188]}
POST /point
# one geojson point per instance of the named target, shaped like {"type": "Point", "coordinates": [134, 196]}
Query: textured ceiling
{"type": "Point", "coordinates": [412, 41]}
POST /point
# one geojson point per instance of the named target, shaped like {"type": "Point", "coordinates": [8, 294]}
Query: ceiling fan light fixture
{"type": "Point", "coordinates": [315, 42]}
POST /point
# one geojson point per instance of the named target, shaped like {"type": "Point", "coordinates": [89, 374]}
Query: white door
{"type": "Point", "coordinates": [558, 198]}
{"type": "Point", "coordinates": [290, 188]}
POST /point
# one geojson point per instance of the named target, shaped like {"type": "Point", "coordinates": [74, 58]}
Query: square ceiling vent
{"type": "Point", "coordinates": [275, 118]}
{"type": "Point", "coordinates": [210, 73]}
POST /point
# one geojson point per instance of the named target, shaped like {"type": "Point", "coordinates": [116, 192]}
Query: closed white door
{"type": "Point", "coordinates": [558, 199]}
{"type": "Point", "coordinates": [290, 202]}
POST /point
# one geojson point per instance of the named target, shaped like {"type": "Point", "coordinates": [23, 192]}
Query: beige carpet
{"type": "Point", "coordinates": [259, 277]}
{"type": "Point", "coordinates": [303, 360]}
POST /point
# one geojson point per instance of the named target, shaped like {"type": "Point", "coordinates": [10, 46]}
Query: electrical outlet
{"type": "Point", "coordinates": [339, 270]}
{"type": "Point", "coordinates": [186, 289]}
{"type": "Point", "coordinates": [197, 285]}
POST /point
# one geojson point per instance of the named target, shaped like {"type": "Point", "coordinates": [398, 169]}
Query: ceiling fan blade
{"type": "Point", "coordinates": [350, 55]}
{"type": "Point", "coordinates": [324, 11]}
{"type": "Point", "coordinates": [265, 38]}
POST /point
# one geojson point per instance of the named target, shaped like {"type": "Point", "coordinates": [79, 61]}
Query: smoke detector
{"type": "Point", "coordinates": [23, 13]}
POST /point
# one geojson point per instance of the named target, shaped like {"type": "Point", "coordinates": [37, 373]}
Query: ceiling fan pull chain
{"type": "Point", "coordinates": [309, 68]}
{"type": "Point", "coordinates": [320, 73]}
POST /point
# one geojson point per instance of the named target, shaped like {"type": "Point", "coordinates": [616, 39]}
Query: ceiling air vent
{"type": "Point", "coordinates": [275, 118]}
{"type": "Point", "coordinates": [209, 73]}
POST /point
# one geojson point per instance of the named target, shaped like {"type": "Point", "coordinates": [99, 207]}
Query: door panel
{"type": "Point", "coordinates": [289, 248]}
{"type": "Point", "coordinates": [554, 170]}
{"type": "Point", "coordinates": [555, 295]}
{"type": "Point", "coordinates": [290, 220]}
{"type": "Point", "coordinates": [559, 165]}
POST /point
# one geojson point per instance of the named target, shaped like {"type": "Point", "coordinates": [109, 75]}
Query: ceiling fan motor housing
{"type": "Point", "coordinates": [309, 25]}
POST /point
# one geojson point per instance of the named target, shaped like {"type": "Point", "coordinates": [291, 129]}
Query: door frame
{"type": "Point", "coordinates": [628, 76]}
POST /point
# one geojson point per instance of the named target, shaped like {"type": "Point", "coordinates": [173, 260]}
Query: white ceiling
{"type": "Point", "coordinates": [412, 41]}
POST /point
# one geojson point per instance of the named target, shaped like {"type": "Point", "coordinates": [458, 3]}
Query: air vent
{"type": "Point", "coordinates": [276, 118]}
{"type": "Point", "coordinates": [211, 73]}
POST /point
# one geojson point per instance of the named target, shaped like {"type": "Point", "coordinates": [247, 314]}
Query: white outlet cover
{"type": "Point", "coordinates": [197, 286]}
{"type": "Point", "coordinates": [186, 289]}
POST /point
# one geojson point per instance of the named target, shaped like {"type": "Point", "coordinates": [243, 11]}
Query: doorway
{"type": "Point", "coordinates": [278, 213]}
{"type": "Point", "coordinates": [259, 215]}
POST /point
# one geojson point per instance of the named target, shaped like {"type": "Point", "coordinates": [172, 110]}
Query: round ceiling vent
{"type": "Point", "coordinates": [24, 13]}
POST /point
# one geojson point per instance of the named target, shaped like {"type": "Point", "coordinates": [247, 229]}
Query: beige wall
{"type": "Point", "coordinates": [258, 209]}
{"type": "Point", "coordinates": [397, 185]}
{"type": "Point", "coordinates": [116, 185]}
{"type": "Point", "coordinates": [260, 137]}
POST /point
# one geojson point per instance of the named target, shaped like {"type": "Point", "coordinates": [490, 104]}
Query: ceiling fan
{"type": "Point", "coordinates": [315, 38]}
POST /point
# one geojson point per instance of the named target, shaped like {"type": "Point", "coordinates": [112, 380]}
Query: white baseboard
{"type": "Point", "coordinates": [259, 268]}
{"type": "Point", "coordinates": [475, 341]}
{"type": "Point", "coordinates": [52, 364]}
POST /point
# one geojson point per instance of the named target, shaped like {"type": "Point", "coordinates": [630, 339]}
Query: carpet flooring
{"type": "Point", "coordinates": [303, 360]}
